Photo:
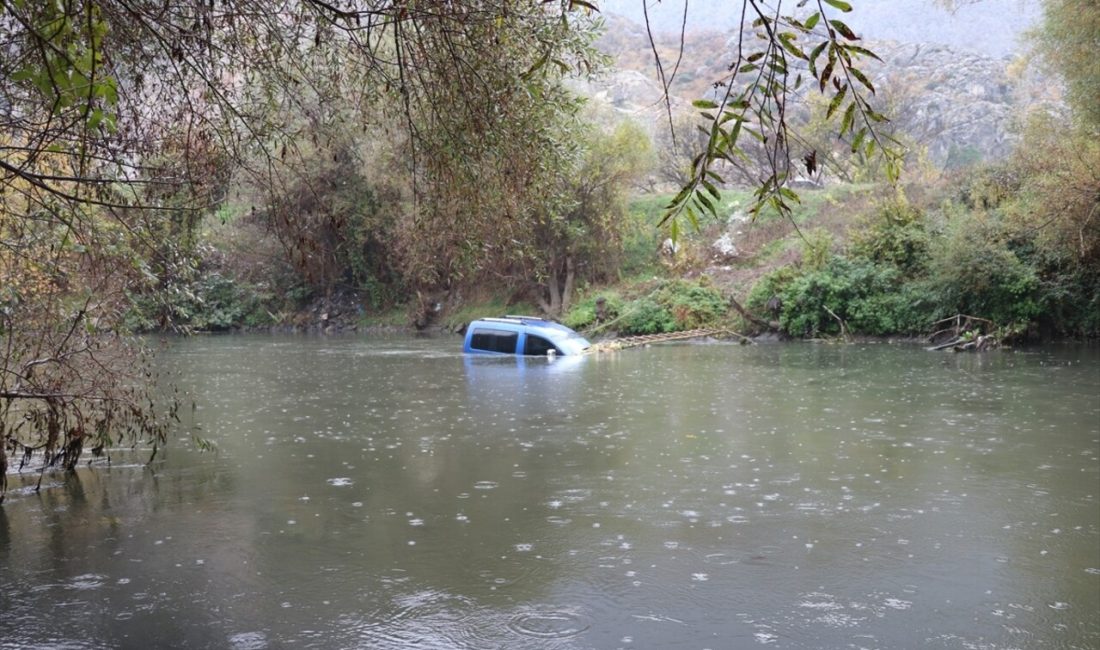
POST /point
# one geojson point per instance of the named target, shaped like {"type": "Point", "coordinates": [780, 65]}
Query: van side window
{"type": "Point", "coordinates": [494, 341]}
{"type": "Point", "coordinates": [538, 346]}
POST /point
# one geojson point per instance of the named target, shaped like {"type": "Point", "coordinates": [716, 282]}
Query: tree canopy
{"type": "Point", "coordinates": [124, 122]}
{"type": "Point", "coordinates": [1068, 39]}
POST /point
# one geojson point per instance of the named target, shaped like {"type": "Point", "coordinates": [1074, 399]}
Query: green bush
{"type": "Point", "coordinates": [221, 304]}
{"type": "Point", "coordinates": [894, 234]}
{"type": "Point", "coordinates": [911, 308]}
{"type": "Point", "coordinates": [973, 271]}
{"type": "Point", "coordinates": [817, 249]}
{"type": "Point", "coordinates": [989, 187]}
{"type": "Point", "coordinates": [692, 304]}
{"type": "Point", "coordinates": [871, 299]}
{"type": "Point", "coordinates": [646, 316]}
{"type": "Point", "coordinates": [583, 314]}
{"type": "Point", "coordinates": [674, 306]}
{"type": "Point", "coordinates": [771, 285]}
{"type": "Point", "coordinates": [212, 303]}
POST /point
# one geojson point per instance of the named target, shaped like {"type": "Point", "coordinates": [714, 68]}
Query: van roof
{"type": "Point", "coordinates": [532, 321]}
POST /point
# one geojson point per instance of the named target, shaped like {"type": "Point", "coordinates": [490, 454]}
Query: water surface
{"type": "Point", "coordinates": [392, 493]}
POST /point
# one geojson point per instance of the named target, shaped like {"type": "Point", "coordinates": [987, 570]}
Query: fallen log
{"type": "Point", "coordinates": [753, 318]}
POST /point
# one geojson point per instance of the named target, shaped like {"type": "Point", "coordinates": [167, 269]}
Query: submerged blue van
{"type": "Point", "coordinates": [523, 335]}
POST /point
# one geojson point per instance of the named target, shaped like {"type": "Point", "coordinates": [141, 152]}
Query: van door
{"type": "Point", "coordinates": [537, 346]}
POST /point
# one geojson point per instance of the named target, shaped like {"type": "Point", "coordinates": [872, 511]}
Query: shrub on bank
{"type": "Point", "coordinates": [671, 306]}
{"type": "Point", "coordinates": [871, 299]}
{"type": "Point", "coordinates": [692, 305]}
{"type": "Point", "coordinates": [583, 313]}
{"type": "Point", "coordinates": [972, 270]}
{"type": "Point", "coordinates": [213, 303]}
{"type": "Point", "coordinates": [895, 234]}
{"type": "Point", "coordinates": [646, 316]}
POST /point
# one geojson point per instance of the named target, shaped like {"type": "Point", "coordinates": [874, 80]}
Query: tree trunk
{"type": "Point", "coordinates": [570, 278]}
{"type": "Point", "coordinates": [553, 290]}
{"type": "Point", "coordinates": [555, 294]}
{"type": "Point", "coordinates": [753, 318]}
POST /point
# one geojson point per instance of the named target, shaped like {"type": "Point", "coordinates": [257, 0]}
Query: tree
{"type": "Point", "coordinates": [583, 236]}
{"type": "Point", "coordinates": [69, 379]}
{"type": "Point", "coordinates": [1068, 40]}
{"type": "Point", "coordinates": [123, 122]}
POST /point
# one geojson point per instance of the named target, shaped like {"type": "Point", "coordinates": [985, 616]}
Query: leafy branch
{"type": "Point", "coordinates": [761, 85]}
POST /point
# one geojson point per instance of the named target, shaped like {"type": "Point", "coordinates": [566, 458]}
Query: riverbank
{"type": "Point", "coordinates": [849, 261]}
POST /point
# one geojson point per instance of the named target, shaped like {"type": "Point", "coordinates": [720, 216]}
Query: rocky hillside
{"type": "Point", "coordinates": [959, 105]}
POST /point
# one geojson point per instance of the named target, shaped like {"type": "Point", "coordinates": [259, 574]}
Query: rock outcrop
{"type": "Point", "coordinates": [962, 107]}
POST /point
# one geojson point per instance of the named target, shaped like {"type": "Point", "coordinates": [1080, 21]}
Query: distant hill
{"type": "Point", "coordinates": [961, 104]}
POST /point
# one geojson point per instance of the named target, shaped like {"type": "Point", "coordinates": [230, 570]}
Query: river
{"type": "Point", "coordinates": [392, 493]}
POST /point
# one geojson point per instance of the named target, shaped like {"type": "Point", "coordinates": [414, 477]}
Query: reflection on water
{"type": "Point", "coordinates": [388, 494]}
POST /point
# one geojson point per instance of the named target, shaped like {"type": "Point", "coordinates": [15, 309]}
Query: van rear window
{"type": "Point", "coordinates": [492, 340]}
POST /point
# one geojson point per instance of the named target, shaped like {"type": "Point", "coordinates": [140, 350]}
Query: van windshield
{"type": "Point", "coordinates": [573, 343]}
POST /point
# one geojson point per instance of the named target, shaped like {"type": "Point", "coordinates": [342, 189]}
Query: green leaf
{"type": "Point", "coordinates": [827, 73]}
{"type": "Point", "coordinates": [862, 79]}
{"type": "Point", "coordinates": [679, 197]}
{"type": "Point", "coordinates": [790, 194]}
{"type": "Point", "coordinates": [876, 117]}
{"type": "Point", "coordinates": [893, 169]}
{"type": "Point", "coordinates": [787, 40]}
{"type": "Point", "coordinates": [704, 103]}
{"type": "Point", "coordinates": [858, 142]}
{"type": "Point", "coordinates": [693, 218]}
{"type": "Point", "coordinates": [24, 74]}
{"type": "Point", "coordinates": [844, 30]}
{"type": "Point", "coordinates": [95, 118]}
{"type": "Point", "coordinates": [705, 200]}
{"type": "Point", "coordinates": [835, 104]}
{"type": "Point", "coordinates": [108, 89]}
{"type": "Point", "coordinates": [839, 4]}
{"type": "Point", "coordinates": [849, 119]}
{"type": "Point", "coordinates": [862, 51]}
{"type": "Point", "coordinates": [811, 22]}
{"type": "Point", "coordinates": [818, 50]}
{"type": "Point", "coordinates": [712, 189]}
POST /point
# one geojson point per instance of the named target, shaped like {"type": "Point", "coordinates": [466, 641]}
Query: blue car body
{"type": "Point", "coordinates": [522, 335]}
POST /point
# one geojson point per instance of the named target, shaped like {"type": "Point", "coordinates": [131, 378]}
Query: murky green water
{"type": "Point", "coordinates": [394, 494]}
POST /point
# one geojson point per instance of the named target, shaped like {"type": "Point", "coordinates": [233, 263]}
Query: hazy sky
{"type": "Point", "coordinates": [989, 26]}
